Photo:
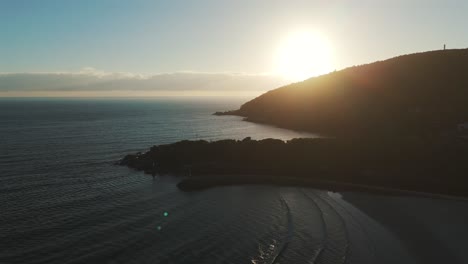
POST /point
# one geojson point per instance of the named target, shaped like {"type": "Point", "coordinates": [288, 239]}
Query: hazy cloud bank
{"type": "Point", "coordinates": [91, 82]}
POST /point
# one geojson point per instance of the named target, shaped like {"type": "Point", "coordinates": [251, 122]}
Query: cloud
{"type": "Point", "coordinates": [90, 80]}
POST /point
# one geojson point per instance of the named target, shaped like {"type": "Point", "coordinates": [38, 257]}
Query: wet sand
{"type": "Point", "coordinates": [434, 230]}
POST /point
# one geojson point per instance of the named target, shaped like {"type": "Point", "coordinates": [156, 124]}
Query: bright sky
{"type": "Point", "coordinates": [242, 36]}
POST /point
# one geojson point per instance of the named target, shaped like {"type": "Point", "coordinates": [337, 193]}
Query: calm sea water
{"type": "Point", "coordinates": [63, 200]}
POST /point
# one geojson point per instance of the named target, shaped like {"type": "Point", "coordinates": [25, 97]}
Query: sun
{"type": "Point", "coordinates": [303, 55]}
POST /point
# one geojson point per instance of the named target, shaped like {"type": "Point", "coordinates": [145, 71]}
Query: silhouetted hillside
{"type": "Point", "coordinates": [424, 93]}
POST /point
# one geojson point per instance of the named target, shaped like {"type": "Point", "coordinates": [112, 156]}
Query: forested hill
{"type": "Point", "coordinates": [417, 93]}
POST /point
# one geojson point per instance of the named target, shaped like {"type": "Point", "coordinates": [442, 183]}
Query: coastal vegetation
{"type": "Point", "coordinates": [336, 164]}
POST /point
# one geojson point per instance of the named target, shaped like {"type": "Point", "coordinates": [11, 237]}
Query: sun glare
{"type": "Point", "coordinates": [303, 55]}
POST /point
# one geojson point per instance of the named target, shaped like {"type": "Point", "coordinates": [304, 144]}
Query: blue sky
{"type": "Point", "coordinates": [66, 46]}
{"type": "Point", "coordinates": [214, 36]}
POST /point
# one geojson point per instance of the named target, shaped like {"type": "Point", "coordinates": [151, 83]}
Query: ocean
{"type": "Point", "coordinates": [62, 199]}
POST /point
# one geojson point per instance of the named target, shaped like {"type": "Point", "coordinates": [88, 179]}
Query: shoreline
{"type": "Point", "coordinates": [429, 229]}
{"type": "Point", "coordinates": [401, 165]}
{"type": "Point", "coordinates": [207, 181]}
{"type": "Point", "coordinates": [247, 118]}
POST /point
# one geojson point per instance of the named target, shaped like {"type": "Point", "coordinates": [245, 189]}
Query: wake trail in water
{"type": "Point", "coordinates": [273, 252]}
{"type": "Point", "coordinates": [336, 242]}
{"type": "Point", "coordinates": [359, 224]}
{"type": "Point", "coordinates": [288, 235]}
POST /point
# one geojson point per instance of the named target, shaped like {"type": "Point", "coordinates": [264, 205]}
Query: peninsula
{"type": "Point", "coordinates": [421, 94]}
{"type": "Point", "coordinates": [396, 124]}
